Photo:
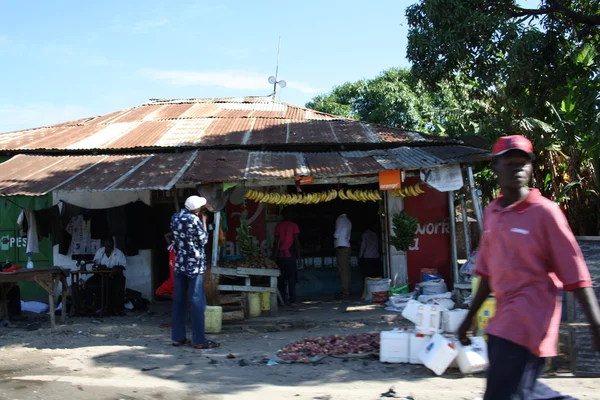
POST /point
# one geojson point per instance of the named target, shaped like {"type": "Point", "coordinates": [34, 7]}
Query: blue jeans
{"type": "Point", "coordinates": [513, 373]}
{"type": "Point", "coordinates": [193, 287]}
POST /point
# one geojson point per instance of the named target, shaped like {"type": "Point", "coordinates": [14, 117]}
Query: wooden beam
{"type": "Point", "coordinates": [237, 288]}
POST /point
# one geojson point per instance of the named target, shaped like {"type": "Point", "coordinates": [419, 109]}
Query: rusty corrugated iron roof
{"type": "Point", "coordinates": [36, 175]}
{"type": "Point", "coordinates": [236, 122]}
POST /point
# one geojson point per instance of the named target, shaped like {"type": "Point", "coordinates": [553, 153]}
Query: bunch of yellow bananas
{"type": "Point", "coordinates": [359, 195]}
{"type": "Point", "coordinates": [291, 199]}
{"type": "Point", "coordinates": [408, 191]}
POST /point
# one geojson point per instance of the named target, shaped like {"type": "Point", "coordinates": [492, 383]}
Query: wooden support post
{"type": "Point", "coordinates": [273, 297]}
{"type": "Point", "coordinates": [53, 285]}
{"type": "Point", "coordinates": [63, 312]}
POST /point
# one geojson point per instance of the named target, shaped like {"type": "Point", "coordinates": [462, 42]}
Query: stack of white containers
{"type": "Point", "coordinates": [427, 344]}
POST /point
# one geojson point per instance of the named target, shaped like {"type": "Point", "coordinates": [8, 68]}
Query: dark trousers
{"type": "Point", "coordinates": [287, 280]}
{"type": "Point", "coordinates": [188, 288]}
{"type": "Point", "coordinates": [371, 268]}
{"type": "Point", "coordinates": [513, 373]}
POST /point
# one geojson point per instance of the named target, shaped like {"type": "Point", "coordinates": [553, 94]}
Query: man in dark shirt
{"type": "Point", "coordinates": [189, 238]}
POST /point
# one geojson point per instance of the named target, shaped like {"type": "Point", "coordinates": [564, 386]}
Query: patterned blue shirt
{"type": "Point", "coordinates": [189, 238]}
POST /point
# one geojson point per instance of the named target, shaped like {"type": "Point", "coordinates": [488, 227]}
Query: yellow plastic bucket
{"type": "Point", "coordinates": [265, 301]}
{"type": "Point", "coordinates": [485, 313]}
{"type": "Point", "coordinates": [475, 285]}
{"type": "Point", "coordinates": [213, 319]}
{"type": "Point", "coordinates": [254, 305]}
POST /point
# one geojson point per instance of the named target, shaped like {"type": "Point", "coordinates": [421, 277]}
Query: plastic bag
{"type": "Point", "coordinates": [382, 285]}
{"type": "Point", "coordinates": [431, 277]}
{"type": "Point", "coordinates": [468, 269]}
{"type": "Point", "coordinates": [380, 297]}
{"type": "Point", "coordinates": [399, 290]}
{"type": "Point", "coordinates": [437, 286]}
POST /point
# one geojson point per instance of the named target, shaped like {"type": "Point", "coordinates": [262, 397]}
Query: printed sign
{"type": "Point", "coordinates": [390, 179]}
{"type": "Point", "coordinates": [305, 180]}
{"type": "Point", "coordinates": [444, 179]}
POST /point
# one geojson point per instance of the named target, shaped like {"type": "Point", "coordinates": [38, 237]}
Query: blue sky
{"type": "Point", "coordinates": [67, 59]}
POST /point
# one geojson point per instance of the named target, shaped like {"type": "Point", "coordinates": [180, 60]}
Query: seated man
{"type": "Point", "coordinates": [108, 257]}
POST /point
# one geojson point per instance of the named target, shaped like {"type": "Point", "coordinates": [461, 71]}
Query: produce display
{"type": "Point", "coordinates": [258, 262]}
{"type": "Point", "coordinates": [408, 191]}
{"type": "Point", "coordinates": [312, 198]}
{"type": "Point", "coordinates": [334, 345]}
{"type": "Point", "coordinates": [405, 229]}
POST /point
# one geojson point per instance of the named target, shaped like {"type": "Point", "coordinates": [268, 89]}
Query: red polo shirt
{"type": "Point", "coordinates": [529, 255]}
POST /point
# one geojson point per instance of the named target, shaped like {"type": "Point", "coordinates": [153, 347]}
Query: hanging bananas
{"type": "Point", "coordinates": [313, 198]}
{"type": "Point", "coordinates": [409, 191]}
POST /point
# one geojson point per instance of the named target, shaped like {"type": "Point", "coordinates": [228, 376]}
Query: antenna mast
{"type": "Point", "coordinates": [273, 79]}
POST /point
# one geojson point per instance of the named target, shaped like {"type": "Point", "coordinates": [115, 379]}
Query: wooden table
{"type": "Point", "coordinates": [76, 282]}
{"type": "Point", "coordinates": [248, 273]}
{"type": "Point", "coordinates": [47, 278]}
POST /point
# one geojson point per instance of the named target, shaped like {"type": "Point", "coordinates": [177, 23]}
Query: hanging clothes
{"type": "Point", "coordinates": [141, 225]}
{"type": "Point", "coordinates": [99, 224]}
{"type": "Point", "coordinates": [81, 232]}
{"type": "Point", "coordinates": [67, 213]}
{"type": "Point", "coordinates": [48, 221]}
{"type": "Point", "coordinates": [33, 241]}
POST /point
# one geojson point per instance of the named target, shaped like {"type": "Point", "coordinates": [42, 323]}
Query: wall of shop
{"type": "Point", "coordinates": [139, 268]}
{"type": "Point", "coordinates": [397, 258]}
{"type": "Point", "coordinates": [431, 248]}
{"type": "Point", "coordinates": [13, 246]}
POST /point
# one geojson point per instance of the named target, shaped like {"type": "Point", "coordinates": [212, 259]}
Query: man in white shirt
{"type": "Point", "coordinates": [110, 257]}
{"type": "Point", "coordinates": [369, 254]}
{"type": "Point", "coordinates": [343, 229]}
{"type": "Point", "coordinates": [113, 286]}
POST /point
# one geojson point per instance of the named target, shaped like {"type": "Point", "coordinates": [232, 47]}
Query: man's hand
{"type": "Point", "coordinates": [464, 328]}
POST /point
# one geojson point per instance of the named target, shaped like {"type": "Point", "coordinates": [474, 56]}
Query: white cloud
{"type": "Point", "coordinates": [13, 117]}
{"type": "Point", "coordinates": [234, 79]}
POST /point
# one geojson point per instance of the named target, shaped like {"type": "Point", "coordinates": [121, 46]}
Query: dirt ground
{"type": "Point", "coordinates": [131, 358]}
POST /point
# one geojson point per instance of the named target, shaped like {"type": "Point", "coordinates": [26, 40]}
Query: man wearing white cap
{"type": "Point", "coordinates": [189, 238]}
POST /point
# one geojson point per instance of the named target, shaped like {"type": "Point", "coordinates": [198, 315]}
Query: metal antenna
{"type": "Point", "coordinates": [273, 79]}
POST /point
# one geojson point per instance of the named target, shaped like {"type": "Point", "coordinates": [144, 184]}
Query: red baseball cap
{"type": "Point", "coordinates": [515, 142]}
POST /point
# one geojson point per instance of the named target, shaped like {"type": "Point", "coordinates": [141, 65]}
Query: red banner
{"type": "Point", "coordinates": [431, 248]}
{"type": "Point", "coordinates": [256, 219]}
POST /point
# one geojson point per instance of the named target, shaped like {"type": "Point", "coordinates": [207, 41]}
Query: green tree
{"type": "Point", "coordinates": [530, 71]}
{"type": "Point", "coordinates": [393, 98]}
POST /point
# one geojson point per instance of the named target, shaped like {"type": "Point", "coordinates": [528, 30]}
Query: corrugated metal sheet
{"type": "Point", "coordinates": [217, 166]}
{"type": "Point", "coordinates": [326, 164]}
{"type": "Point", "coordinates": [185, 133]}
{"type": "Point", "coordinates": [235, 122]}
{"type": "Point", "coordinates": [35, 175]}
{"type": "Point", "coordinates": [458, 154]}
{"type": "Point", "coordinates": [269, 130]}
{"type": "Point", "coordinates": [270, 165]}
{"type": "Point", "coordinates": [102, 174]}
{"type": "Point", "coordinates": [160, 171]}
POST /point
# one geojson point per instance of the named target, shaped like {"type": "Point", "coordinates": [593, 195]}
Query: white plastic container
{"type": "Point", "coordinates": [395, 345]}
{"type": "Point", "coordinates": [417, 343]}
{"type": "Point", "coordinates": [411, 311]}
{"type": "Point", "coordinates": [438, 354]}
{"type": "Point", "coordinates": [473, 359]}
{"type": "Point", "coordinates": [429, 319]}
{"type": "Point", "coordinates": [453, 319]}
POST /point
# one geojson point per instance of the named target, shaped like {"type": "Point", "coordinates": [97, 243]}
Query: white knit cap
{"type": "Point", "coordinates": [195, 202]}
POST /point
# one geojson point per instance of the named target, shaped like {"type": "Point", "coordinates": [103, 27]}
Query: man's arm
{"type": "Point", "coordinates": [567, 262]}
{"type": "Point", "coordinates": [338, 228]}
{"type": "Point", "coordinates": [363, 246]}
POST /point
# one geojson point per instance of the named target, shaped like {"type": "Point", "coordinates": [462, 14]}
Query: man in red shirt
{"type": "Point", "coordinates": [527, 256]}
{"type": "Point", "coordinates": [287, 252]}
